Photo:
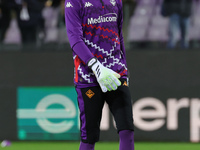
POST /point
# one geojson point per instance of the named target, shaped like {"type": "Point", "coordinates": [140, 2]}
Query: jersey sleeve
{"type": "Point", "coordinates": [74, 29]}
{"type": "Point", "coordinates": [120, 24]}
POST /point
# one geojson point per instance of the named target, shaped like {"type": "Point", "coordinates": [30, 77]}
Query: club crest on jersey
{"type": "Point", "coordinates": [68, 5]}
{"type": "Point", "coordinates": [113, 2]}
{"type": "Point", "coordinates": [88, 4]}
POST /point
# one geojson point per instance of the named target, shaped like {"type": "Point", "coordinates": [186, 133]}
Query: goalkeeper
{"type": "Point", "coordinates": [94, 29]}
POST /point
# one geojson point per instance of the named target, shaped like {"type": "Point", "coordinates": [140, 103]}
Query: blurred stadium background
{"type": "Point", "coordinates": [38, 107]}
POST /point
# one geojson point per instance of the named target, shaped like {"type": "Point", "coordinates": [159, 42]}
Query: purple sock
{"type": "Point", "coordinates": [86, 146]}
{"type": "Point", "coordinates": [126, 140]}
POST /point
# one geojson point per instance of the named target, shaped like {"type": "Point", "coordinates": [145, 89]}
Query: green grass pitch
{"type": "Point", "coordinates": [100, 146]}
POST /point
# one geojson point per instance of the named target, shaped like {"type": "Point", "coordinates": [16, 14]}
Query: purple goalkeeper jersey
{"type": "Point", "coordinates": [94, 29]}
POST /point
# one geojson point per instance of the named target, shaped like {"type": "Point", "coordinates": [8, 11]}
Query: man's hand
{"type": "Point", "coordinates": [107, 78]}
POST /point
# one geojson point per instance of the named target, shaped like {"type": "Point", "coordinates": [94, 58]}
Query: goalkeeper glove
{"type": "Point", "coordinates": [107, 78]}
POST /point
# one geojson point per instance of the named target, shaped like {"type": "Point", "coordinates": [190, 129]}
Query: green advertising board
{"type": "Point", "coordinates": [47, 113]}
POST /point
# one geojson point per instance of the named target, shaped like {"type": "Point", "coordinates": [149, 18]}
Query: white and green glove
{"type": "Point", "coordinates": [107, 78]}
